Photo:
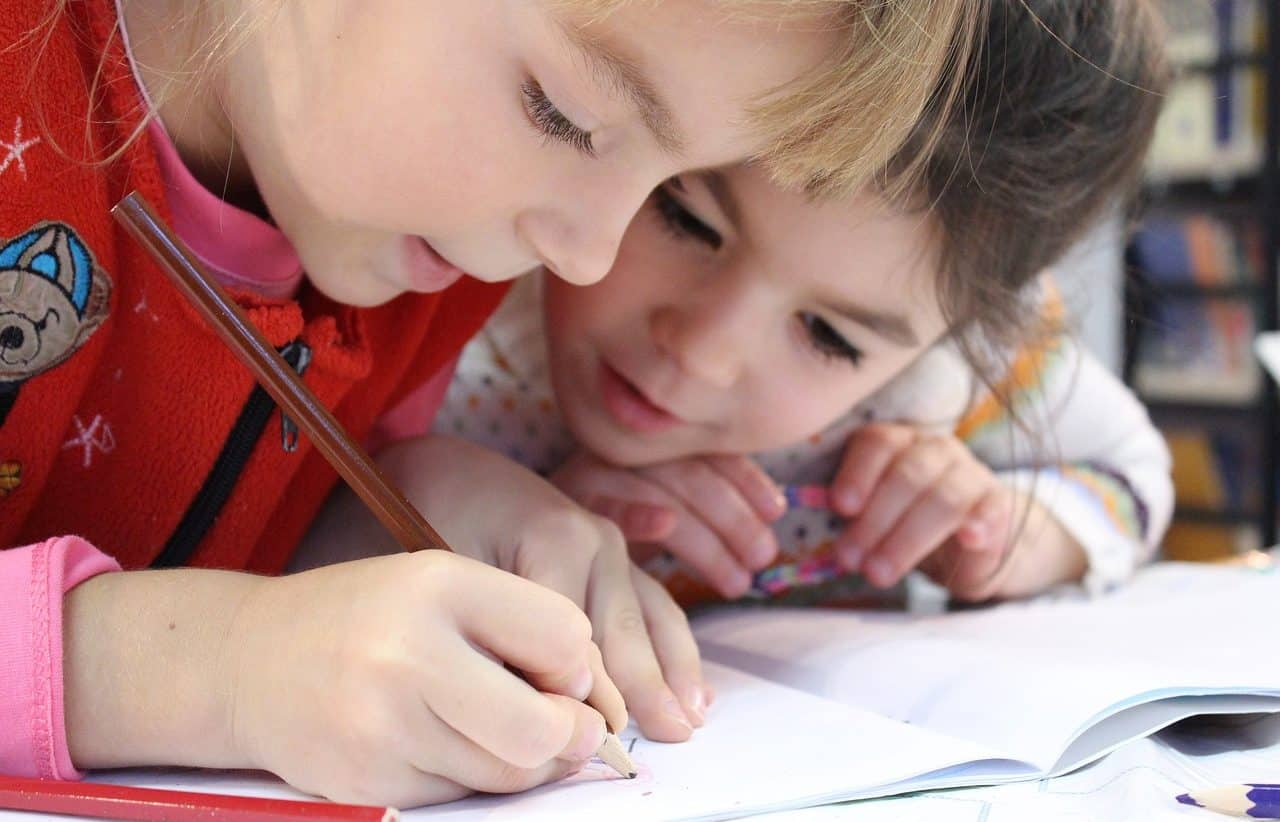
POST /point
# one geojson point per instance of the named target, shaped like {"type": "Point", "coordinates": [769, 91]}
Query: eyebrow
{"type": "Point", "coordinates": [623, 74]}
{"type": "Point", "coordinates": [893, 327]}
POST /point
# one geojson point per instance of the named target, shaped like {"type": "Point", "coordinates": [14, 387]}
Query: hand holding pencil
{"type": "Point", "coordinates": [386, 679]}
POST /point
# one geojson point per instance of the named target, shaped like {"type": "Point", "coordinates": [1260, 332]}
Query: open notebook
{"type": "Point", "coordinates": [820, 706]}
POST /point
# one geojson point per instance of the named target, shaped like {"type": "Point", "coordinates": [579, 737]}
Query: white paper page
{"type": "Point", "coordinates": [765, 747]}
{"type": "Point", "coordinates": [1137, 782]}
{"type": "Point", "coordinates": [1023, 679]}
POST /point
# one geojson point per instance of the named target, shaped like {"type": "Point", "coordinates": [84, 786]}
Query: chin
{"type": "Point", "coordinates": [338, 287]}
{"type": "Point", "coordinates": [623, 449]}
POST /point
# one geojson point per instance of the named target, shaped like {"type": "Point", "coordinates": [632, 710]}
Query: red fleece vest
{"type": "Point", "coordinates": [123, 418]}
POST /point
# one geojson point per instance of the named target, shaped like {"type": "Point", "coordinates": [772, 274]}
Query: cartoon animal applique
{"type": "Point", "coordinates": [53, 297]}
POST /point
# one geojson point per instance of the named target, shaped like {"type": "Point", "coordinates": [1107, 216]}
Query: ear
{"type": "Point", "coordinates": [56, 253]}
{"type": "Point", "coordinates": [97, 306]}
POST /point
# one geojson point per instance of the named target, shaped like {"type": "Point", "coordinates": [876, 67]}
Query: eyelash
{"type": "Point", "coordinates": [819, 335]}
{"type": "Point", "coordinates": [826, 341]}
{"type": "Point", "coordinates": [549, 120]}
{"type": "Point", "coordinates": [681, 222]}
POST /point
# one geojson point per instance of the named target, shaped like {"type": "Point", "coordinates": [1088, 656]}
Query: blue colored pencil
{"type": "Point", "coordinates": [1257, 801]}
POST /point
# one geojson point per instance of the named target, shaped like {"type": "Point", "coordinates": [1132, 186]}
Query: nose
{"type": "Point", "coordinates": [712, 336]}
{"type": "Point", "coordinates": [577, 236]}
{"type": "Point", "coordinates": [12, 337]}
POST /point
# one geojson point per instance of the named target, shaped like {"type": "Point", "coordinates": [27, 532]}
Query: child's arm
{"type": "Point", "coordinates": [379, 681]}
{"type": "Point", "coordinates": [1092, 458]}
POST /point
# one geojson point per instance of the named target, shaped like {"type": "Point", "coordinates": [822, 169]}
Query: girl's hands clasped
{"type": "Point", "coordinates": [913, 499]}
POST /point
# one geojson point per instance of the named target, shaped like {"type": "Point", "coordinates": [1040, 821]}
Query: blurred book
{"type": "Point", "coordinates": [1198, 351]}
{"type": "Point", "coordinates": [1212, 123]}
{"type": "Point", "coordinates": [1199, 248]}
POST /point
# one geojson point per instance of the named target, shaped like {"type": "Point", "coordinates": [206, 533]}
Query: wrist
{"type": "Point", "coordinates": [151, 665]}
{"type": "Point", "coordinates": [1045, 553]}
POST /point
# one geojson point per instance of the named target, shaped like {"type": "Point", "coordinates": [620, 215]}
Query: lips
{"type": "Point", "coordinates": [631, 408]}
{"type": "Point", "coordinates": [427, 270]}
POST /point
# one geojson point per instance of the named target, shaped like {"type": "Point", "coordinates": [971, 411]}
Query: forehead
{"type": "Point", "coordinates": [856, 248]}
{"type": "Point", "coordinates": [711, 61]}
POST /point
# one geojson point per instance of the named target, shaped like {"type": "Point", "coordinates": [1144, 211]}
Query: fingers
{"type": "Point", "coordinates": [722, 506]}
{"type": "Point", "coordinates": [674, 645]}
{"type": "Point", "coordinates": [695, 544]}
{"type": "Point", "coordinates": [756, 486]}
{"type": "Point", "coordinates": [929, 521]}
{"type": "Point", "coordinates": [605, 696]}
{"type": "Point", "coordinates": [628, 649]}
{"type": "Point", "coordinates": [904, 479]}
{"type": "Point", "coordinates": [496, 710]}
{"type": "Point", "coordinates": [638, 521]}
{"type": "Point", "coordinates": [528, 626]}
{"type": "Point", "coordinates": [563, 553]}
{"type": "Point", "coordinates": [871, 450]}
{"type": "Point", "coordinates": [437, 748]}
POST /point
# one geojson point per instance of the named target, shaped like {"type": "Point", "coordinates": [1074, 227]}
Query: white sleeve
{"type": "Point", "coordinates": [1083, 445]}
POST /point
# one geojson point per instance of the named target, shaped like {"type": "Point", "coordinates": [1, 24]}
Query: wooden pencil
{"type": "Point", "coordinates": [125, 802]}
{"type": "Point", "coordinates": [293, 396]}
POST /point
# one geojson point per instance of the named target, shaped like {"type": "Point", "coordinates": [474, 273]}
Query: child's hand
{"type": "Point", "coordinates": [383, 681]}
{"type": "Point", "coordinates": [712, 512]}
{"type": "Point", "coordinates": [494, 509]}
{"type": "Point", "coordinates": [923, 500]}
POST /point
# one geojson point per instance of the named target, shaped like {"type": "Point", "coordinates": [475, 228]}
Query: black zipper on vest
{"type": "Point", "coordinates": [228, 467]}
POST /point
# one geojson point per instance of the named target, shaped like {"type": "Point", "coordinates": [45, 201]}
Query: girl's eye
{"type": "Point", "coordinates": [682, 223]}
{"type": "Point", "coordinates": [552, 124]}
{"type": "Point", "coordinates": [827, 341]}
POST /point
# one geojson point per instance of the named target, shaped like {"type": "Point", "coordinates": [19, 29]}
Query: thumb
{"type": "Point", "coordinates": [638, 521]}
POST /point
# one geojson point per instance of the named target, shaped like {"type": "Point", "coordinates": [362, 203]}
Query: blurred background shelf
{"type": "Point", "coordinates": [1202, 275]}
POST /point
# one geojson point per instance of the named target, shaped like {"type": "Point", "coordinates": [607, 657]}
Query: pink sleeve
{"type": "Point", "coordinates": [33, 579]}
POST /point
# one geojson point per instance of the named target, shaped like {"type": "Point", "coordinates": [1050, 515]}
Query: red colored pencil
{"type": "Point", "coordinates": [125, 802]}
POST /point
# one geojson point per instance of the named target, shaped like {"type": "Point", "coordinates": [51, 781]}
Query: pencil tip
{"type": "Point", "coordinates": [631, 775]}
{"type": "Point", "coordinates": [1187, 799]}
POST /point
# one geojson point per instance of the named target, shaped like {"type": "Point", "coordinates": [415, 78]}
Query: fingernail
{"type": "Point", "coordinates": [696, 708]}
{"type": "Point", "coordinates": [973, 534]}
{"type": "Point", "coordinates": [580, 685]}
{"type": "Point", "coordinates": [851, 556]}
{"type": "Point", "coordinates": [710, 694]}
{"type": "Point", "coordinates": [739, 583]}
{"type": "Point", "coordinates": [672, 708]}
{"type": "Point", "coordinates": [764, 550]}
{"type": "Point", "coordinates": [850, 501]}
{"type": "Point", "coordinates": [778, 501]}
{"type": "Point", "coordinates": [879, 571]}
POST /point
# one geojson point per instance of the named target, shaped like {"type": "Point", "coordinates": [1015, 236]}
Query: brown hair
{"type": "Point", "coordinates": [1059, 105]}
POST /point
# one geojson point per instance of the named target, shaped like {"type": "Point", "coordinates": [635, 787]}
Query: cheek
{"type": "Point", "coordinates": [412, 136]}
{"type": "Point", "coordinates": [797, 400]}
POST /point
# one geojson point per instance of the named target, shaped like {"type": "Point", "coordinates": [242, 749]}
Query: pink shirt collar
{"type": "Point", "coordinates": [243, 250]}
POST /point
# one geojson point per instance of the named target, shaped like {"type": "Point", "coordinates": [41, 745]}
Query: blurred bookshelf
{"type": "Point", "coordinates": [1202, 278]}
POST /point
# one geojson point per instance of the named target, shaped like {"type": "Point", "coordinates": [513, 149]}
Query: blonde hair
{"type": "Point", "coordinates": [836, 129]}
{"type": "Point", "coordinates": [831, 131]}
